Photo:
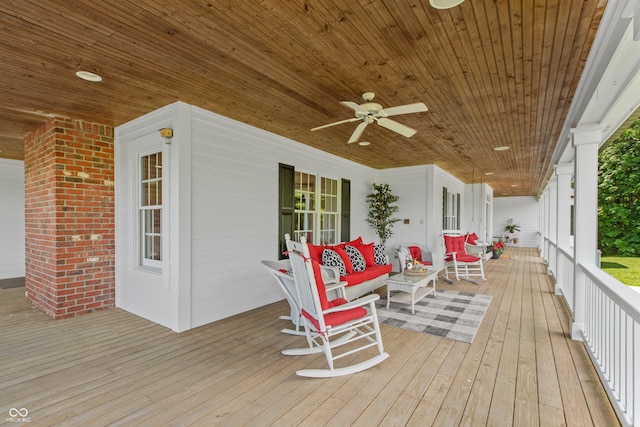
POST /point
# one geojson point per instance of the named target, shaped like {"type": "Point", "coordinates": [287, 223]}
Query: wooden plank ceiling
{"type": "Point", "coordinates": [492, 73]}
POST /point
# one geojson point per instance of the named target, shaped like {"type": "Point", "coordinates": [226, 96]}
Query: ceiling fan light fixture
{"type": "Point", "coordinates": [89, 76]}
{"type": "Point", "coordinates": [444, 4]}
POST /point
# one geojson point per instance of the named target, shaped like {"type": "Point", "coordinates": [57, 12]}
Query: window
{"type": "Point", "coordinates": [316, 210]}
{"type": "Point", "coordinates": [150, 210]}
{"type": "Point", "coordinates": [450, 210]}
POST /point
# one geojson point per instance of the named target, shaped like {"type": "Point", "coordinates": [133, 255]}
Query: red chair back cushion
{"type": "Point", "coordinates": [416, 253]}
{"type": "Point", "coordinates": [322, 291]}
{"type": "Point", "coordinates": [455, 244]}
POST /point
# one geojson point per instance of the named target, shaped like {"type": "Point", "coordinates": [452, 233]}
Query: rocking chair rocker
{"type": "Point", "coordinates": [332, 324]}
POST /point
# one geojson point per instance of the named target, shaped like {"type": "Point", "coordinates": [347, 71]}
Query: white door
{"type": "Point", "coordinates": [142, 229]}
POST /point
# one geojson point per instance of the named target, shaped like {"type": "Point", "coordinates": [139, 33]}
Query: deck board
{"type": "Point", "coordinates": [114, 368]}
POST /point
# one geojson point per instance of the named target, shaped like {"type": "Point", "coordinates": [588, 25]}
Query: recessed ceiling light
{"type": "Point", "coordinates": [444, 4]}
{"type": "Point", "coordinates": [489, 173]}
{"type": "Point", "coordinates": [514, 185]}
{"type": "Point", "coordinates": [364, 143]}
{"type": "Point", "coordinates": [88, 76]}
{"type": "Point", "coordinates": [503, 148]}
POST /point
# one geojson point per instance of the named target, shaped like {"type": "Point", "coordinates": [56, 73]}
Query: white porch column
{"type": "Point", "coordinates": [586, 140]}
{"type": "Point", "coordinates": [564, 171]}
{"type": "Point", "coordinates": [545, 224]}
{"type": "Point", "coordinates": [553, 226]}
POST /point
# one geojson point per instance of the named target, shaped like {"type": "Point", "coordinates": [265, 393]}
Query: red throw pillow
{"type": "Point", "coordinates": [315, 252]}
{"type": "Point", "coordinates": [415, 252]}
{"type": "Point", "coordinates": [472, 238]}
{"type": "Point", "coordinates": [339, 249]}
{"type": "Point", "coordinates": [366, 249]}
{"type": "Point", "coordinates": [355, 242]}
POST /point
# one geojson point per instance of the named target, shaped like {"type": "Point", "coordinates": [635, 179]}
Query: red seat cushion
{"type": "Point", "coordinates": [338, 317]}
{"type": "Point", "coordinates": [369, 273]}
{"type": "Point", "coordinates": [463, 258]}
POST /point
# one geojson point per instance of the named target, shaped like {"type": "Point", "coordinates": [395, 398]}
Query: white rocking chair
{"type": "Point", "coordinates": [458, 261]}
{"type": "Point", "coordinates": [281, 270]}
{"type": "Point", "coordinates": [331, 324]}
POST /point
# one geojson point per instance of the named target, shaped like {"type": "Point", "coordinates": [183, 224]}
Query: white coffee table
{"type": "Point", "coordinates": [411, 288]}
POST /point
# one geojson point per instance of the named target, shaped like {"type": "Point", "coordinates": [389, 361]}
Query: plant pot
{"type": "Point", "coordinates": [495, 255]}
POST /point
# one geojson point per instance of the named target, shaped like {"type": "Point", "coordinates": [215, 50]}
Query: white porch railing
{"type": "Point", "coordinates": [564, 277]}
{"type": "Point", "coordinates": [612, 337]}
{"type": "Point", "coordinates": [611, 330]}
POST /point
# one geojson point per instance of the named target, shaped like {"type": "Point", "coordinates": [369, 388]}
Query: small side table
{"type": "Point", "coordinates": [411, 288]}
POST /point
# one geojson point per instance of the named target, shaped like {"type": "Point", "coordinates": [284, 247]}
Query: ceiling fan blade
{"type": "Point", "coordinates": [355, 107]}
{"type": "Point", "coordinates": [353, 119]}
{"type": "Point", "coordinates": [358, 132]}
{"type": "Point", "coordinates": [396, 127]}
{"type": "Point", "coordinates": [418, 107]}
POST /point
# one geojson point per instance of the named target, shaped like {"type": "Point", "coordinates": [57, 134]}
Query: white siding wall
{"type": "Point", "coordinates": [410, 185]}
{"type": "Point", "coordinates": [477, 201]}
{"type": "Point", "coordinates": [524, 211]}
{"type": "Point", "coordinates": [420, 200]}
{"type": "Point", "coordinates": [11, 219]}
{"type": "Point", "coordinates": [235, 210]}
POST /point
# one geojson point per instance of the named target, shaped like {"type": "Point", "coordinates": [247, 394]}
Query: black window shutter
{"type": "Point", "coordinates": [458, 211]}
{"type": "Point", "coordinates": [345, 210]}
{"type": "Point", "coordinates": [286, 200]}
{"type": "Point", "coordinates": [444, 208]}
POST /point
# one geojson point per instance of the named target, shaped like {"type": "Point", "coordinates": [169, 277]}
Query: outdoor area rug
{"type": "Point", "coordinates": [453, 315]}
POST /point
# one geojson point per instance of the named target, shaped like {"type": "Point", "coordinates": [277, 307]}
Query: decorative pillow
{"type": "Point", "coordinates": [367, 252]}
{"type": "Point", "coordinates": [357, 260]}
{"type": "Point", "coordinates": [315, 252]}
{"type": "Point", "coordinates": [378, 255]}
{"type": "Point", "coordinates": [332, 259]}
{"type": "Point", "coordinates": [339, 249]}
{"type": "Point", "coordinates": [472, 238]}
{"type": "Point", "coordinates": [355, 242]}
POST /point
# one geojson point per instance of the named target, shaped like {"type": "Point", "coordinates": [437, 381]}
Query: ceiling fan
{"type": "Point", "coordinates": [370, 112]}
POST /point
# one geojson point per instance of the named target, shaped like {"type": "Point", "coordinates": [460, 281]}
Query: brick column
{"type": "Point", "coordinates": [69, 217]}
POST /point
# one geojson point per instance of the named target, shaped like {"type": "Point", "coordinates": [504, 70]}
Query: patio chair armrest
{"type": "Point", "coordinates": [329, 274]}
{"type": "Point", "coordinates": [367, 299]}
{"type": "Point", "coordinates": [338, 288]}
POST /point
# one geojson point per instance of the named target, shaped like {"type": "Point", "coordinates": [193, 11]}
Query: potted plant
{"type": "Point", "coordinates": [381, 209]}
{"type": "Point", "coordinates": [498, 249]}
{"type": "Point", "coordinates": [511, 228]}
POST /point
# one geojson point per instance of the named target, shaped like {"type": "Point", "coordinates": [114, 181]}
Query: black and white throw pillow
{"type": "Point", "coordinates": [357, 260]}
{"type": "Point", "coordinates": [378, 255]}
{"type": "Point", "coordinates": [332, 259]}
